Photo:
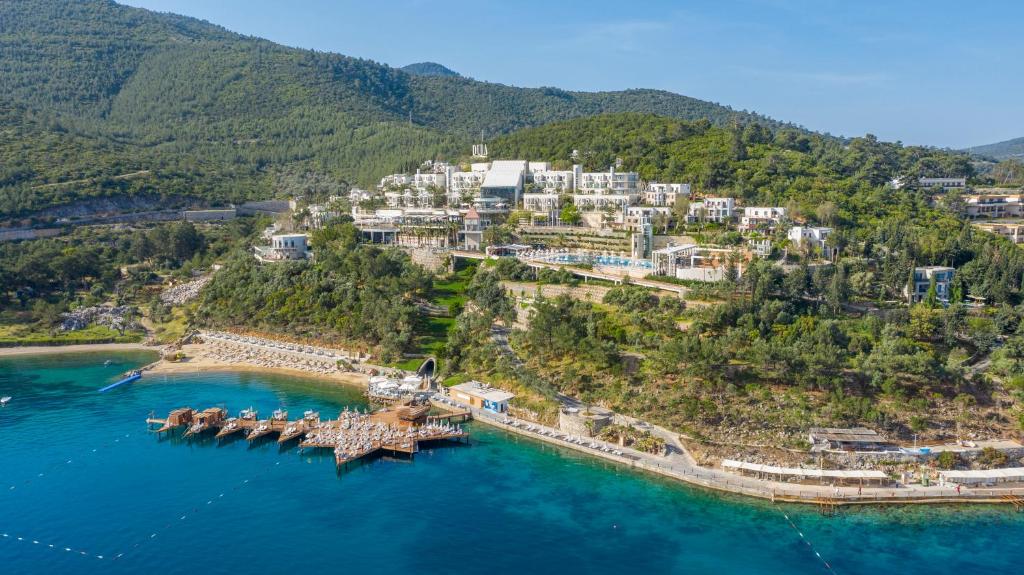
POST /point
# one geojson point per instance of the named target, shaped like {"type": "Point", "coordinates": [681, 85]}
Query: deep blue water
{"type": "Point", "coordinates": [503, 504]}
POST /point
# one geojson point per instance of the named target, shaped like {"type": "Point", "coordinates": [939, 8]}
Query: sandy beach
{"type": "Point", "coordinates": [55, 349]}
{"type": "Point", "coordinates": [197, 361]}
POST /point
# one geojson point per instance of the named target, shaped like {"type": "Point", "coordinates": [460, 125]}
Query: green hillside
{"type": "Point", "coordinates": [221, 116]}
{"type": "Point", "coordinates": [429, 69]}
{"type": "Point", "coordinates": [1001, 150]}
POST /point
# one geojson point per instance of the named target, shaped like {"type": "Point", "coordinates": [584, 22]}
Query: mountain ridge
{"type": "Point", "coordinates": [1012, 148]}
{"type": "Point", "coordinates": [226, 117]}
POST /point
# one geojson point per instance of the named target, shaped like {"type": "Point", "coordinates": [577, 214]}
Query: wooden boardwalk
{"type": "Point", "coordinates": [353, 435]}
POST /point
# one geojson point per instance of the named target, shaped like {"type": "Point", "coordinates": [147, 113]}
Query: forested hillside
{"type": "Point", "coordinates": [222, 116]}
{"type": "Point", "coordinates": [1001, 150]}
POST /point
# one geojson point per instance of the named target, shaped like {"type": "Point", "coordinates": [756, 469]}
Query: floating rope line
{"type": "Point", "coordinates": [80, 552]}
{"type": "Point", "coordinates": [196, 510]}
{"type": "Point", "coordinates": [62, 464]}
{"type": "Point", "coordinates": [53, 546]}
{"type": "Point", "coordinates": [807, 541]}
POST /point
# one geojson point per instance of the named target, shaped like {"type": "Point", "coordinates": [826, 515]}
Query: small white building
{"type": "Point", "coordinates": [481, 396]}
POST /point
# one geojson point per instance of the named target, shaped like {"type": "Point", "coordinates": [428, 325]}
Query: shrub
{"type": "Point", "coordinates": [947, 460]}
{"type": "Point", "coordinates": [991, 457]}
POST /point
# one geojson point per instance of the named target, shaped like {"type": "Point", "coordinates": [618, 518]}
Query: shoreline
{"type": "Point", "coordinates": [74, 348]}
{"type": "Point", "coordinates": [720, 482]}
{"type": "Point", "coordinates": [205, 365]}
{"type": "Point", "coordinates": [701, 477]}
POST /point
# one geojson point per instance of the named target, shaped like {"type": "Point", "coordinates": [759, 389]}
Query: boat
{"type": "Point", "coordinates": [107, 363]}
{"type": "Point", "coordinates": [5, 400]}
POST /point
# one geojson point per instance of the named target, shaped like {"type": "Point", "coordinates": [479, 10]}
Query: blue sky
{"type": "Point", "coordinates": [934, 72]}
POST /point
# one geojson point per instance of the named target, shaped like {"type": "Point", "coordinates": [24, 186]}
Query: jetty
{"type": "Point", "coordinates": [127, 378]}
{"type": "Point", "coordinates": [245, 422]}
{"type": "Point", "coordinates": [399, 429]}
{"type": "Point", "coordinates": [300, 427]}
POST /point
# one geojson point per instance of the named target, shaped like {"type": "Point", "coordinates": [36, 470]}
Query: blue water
{"type": "Point", "coordinates": [503, 504]}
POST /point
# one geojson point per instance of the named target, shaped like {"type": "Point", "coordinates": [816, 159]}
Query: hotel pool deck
{"type": "Point", "coordinates": [598, 261]}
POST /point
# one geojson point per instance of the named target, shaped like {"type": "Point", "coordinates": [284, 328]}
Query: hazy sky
{"type": "Point", "coordinates": [932, 72]}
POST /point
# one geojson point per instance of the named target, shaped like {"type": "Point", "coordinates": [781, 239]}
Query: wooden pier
{"type": "Point", "coordinates": [1015, 500]}
{"type": "Point", "coordinates": [300, 427]}
{"type": "Point", "coordinates": [175, 419]}
{"type": "Point", "coordinates": [353, 435]}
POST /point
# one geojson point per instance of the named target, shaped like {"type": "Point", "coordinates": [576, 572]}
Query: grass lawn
{"type": "Point", "coordinates": [172, 330]}
{"type": "Point", "coordinates": [432, 333]}
{"type": "Point", "coordinates": [30, 334]}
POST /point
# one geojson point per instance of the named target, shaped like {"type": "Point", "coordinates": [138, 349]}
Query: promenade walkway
{"type": "Point", "coordinates": [679, 464]}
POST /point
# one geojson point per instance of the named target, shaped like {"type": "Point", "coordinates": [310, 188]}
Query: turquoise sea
{"type": "Point", "coordinates": [90, 481]}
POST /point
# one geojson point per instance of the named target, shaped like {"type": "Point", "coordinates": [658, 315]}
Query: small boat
{"type": "Point", "coordinates": [5, 400]}
{"type": "Point", "coordinates": [107, 363]}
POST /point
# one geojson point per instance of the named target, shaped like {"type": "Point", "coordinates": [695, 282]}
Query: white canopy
{"type": "Point", "coordinates": [984, 475]}
{"type": "Point", "coordinates": [801, 472]}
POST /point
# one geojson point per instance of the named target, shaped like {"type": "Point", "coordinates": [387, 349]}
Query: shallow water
{"type": "Point", "coordinates": [502, 504]}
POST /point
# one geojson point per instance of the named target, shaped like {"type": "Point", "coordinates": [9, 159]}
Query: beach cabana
{"type": "Point", "coordinates": [983, 476]}
{"type": "Point", "coordinates": [837, 476]}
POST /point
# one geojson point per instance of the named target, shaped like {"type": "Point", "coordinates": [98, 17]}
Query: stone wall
{"type": "Point", "coordinates": [576, 423]}
{"type": "Point", "coordinates": [431, 259]}
{"type": "Point", "coordinates": [872, 460]}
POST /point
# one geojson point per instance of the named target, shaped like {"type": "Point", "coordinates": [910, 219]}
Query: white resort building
{"type": "Point", "coordinates": [944, 183]}
{"type": "Point", "coordinates": [994, 206]}
{"type": "Point", "coordinates": [658, 194]}
{"type": "Point", "coordinates": [711, 210]}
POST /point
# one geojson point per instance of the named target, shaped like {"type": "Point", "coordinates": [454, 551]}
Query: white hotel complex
{"type": "Point", "coordinates": [507, 184]}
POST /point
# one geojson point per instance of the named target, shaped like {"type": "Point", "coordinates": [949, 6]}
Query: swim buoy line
{"type": "Point", "coordinates": [9, 536]}
{"type": "Point", "coordinates": [807, 541]}
{"type": "Point", "coordinates": [196, 509]}
{"type": "Point", "coordinates": [64, 463]}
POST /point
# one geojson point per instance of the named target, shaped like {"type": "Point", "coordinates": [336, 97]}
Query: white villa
{"type": "Point", "coordinates": [712, 210]}
{"type": "Point", "coordinates": [923, 276]}
{"type": "Point", "coordinates": [815, 236]}
{"type": "Point", "coordinates": [284, 247]}
{"type": "Point", "coordinates": [761, 217]}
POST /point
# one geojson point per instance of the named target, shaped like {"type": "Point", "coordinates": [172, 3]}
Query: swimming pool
{"type": "Point", "coordinates": [597, 260]}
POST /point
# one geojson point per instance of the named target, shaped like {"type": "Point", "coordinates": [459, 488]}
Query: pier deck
{"type": "Point", "coordinates": [396, 429]}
